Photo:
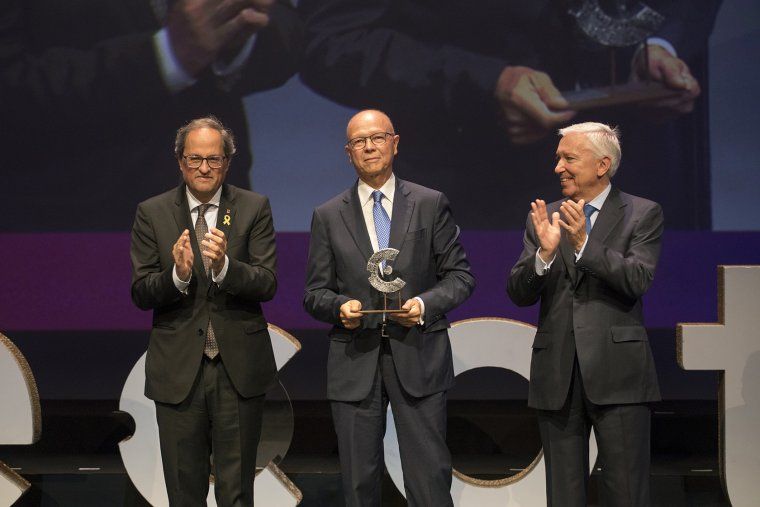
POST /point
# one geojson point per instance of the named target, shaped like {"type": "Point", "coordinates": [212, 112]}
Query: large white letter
{"type": "Point", "coordinates": [477, 343]}
{"type": "Point", "coordinates": [733, 347]}
{"type": "Point", "coordinates": [141, 452]}
{"type": "Point", "coordinates": [20, 416]}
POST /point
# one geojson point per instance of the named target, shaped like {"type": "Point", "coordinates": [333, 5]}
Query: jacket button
{"type": "Point", "coordinates": [200, 332]}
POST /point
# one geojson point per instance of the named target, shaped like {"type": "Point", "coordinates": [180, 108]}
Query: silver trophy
{"type": "Point", "coordinates": [379, 269]}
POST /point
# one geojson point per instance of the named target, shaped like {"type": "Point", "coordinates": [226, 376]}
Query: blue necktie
{"type": "Point", "coordinates": [588, 210]}
{"type": "Point", "coordinates": [382, 221]}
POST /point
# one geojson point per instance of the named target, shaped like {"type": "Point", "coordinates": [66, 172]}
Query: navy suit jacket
{"type": "Point", "coordinates": [431, 261]}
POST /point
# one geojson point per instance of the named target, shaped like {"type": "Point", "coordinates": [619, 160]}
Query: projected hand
{"type": "Point", "coordinates": [200, 29]}
{"type": "Point", "coordinates": [672, 72]}
{"type": "Point", "coordinates": [531, 106]}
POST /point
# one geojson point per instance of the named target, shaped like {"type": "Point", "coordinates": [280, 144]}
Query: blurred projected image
{"type": "Point", "coordinates": [91, 92]}
{"type": "Point", "coordinates": [478, 92]}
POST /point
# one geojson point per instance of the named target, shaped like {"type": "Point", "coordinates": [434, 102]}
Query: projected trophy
{"type": "Point", "coordinates": [617, 24]}
{"type": "Point", "coordinates": [378, 268]}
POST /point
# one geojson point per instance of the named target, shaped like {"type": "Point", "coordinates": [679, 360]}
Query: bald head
{"type": "Point", "coordinates": [372, 116]}
{"type": "Point", "coordinates": [371, 146]}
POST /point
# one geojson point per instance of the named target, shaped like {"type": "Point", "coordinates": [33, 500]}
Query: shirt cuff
{"type": "Point", "coordinates": [227, 68]}
{"type": "Point", "coordinates": [174, 76]}
{"type": "Point", "coordinates": [422, 310]}
{"type": "Point", "coordinates": [541, 266]}
{"type": "Point", "coordinates": [579, 253]}
{"type": "Point", "coordinates": [667, 46]}
{"type": "Point", "coordinates": [181, 285]}
{"type": "Point", "coordinates": [655, 41]}
{"type": "Point", "coordinates": [218, 279]}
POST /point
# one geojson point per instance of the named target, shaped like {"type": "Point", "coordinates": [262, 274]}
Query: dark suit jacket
{"type": "Point", "coordinates": [433, 67]}
{"type": "Point", "coordinates": [80, 83]}
{"type": "Point", "coordinates": [593, 307]}
{"type": "Point", "coordinates": [431, 261]}
{"type": "Point", "coordinates": [179, 321]}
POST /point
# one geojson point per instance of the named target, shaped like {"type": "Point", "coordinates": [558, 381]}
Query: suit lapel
{"type": "Point", "coordinates": [181, 211]}
{"type": "Point", "coordinates": [185, 221]}
{"type": "Point", "coordinates": [403, 205]}
{"type": "Point", "coordinates": [608, 217]}
{"type": "Point", "coordinates": [567, 252]}
{"type": "Point", "coordinates": [351, 212]}
{"type": "Point", "coordinates": [568, 257]}
{"type": "Point", "coordinates": [226, 216]}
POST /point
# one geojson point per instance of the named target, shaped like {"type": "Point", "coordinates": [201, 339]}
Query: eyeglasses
{"type": "Point", "coordinates": [195, 161]}
{"type": "Point", "coordinates": [378, 139]}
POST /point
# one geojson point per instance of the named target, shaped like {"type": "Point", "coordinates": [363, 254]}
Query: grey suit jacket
{"type": "Point", "coordinates": [177, 339]}
{"type": "Point", "coordinates": [431, 261]}
{"type": "Point", "coordinates": [593, 307]}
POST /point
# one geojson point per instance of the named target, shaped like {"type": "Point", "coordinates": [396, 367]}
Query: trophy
{"type": "Point", "coordinates": [617, 24]}
{"type": "Point", "coordinates": [378, 267]}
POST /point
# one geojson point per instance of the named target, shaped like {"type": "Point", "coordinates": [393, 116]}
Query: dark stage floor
{"type": "Point", "coordinates": [77, 463]}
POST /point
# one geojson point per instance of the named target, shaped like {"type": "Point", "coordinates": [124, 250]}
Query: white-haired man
{"type": "Point", "coordinates": [588, 259]}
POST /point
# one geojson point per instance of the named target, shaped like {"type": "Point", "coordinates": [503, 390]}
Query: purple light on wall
{"type": "Point", "coordinates": [81, 281]}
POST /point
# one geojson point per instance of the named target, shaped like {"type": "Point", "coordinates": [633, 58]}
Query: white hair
{"type": "Point", "coordinates": [604, 139]}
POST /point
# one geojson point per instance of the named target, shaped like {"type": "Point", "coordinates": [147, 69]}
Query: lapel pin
{"type": "Point", "coordinates": [227, 219]}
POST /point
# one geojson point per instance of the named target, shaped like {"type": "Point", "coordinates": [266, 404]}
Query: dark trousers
{"type": "Point", "coordinates": [622, 435]}
{"type": "Point", "coordinates": [214, 418]}
{"type": "Point", "coordinates": [421, 429]}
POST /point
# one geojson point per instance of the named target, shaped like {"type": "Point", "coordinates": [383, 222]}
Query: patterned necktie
{"type": "Point", "coordinates": [382, 221]}
{"type": "Point", "coordinates": [211, 349]}
{"type": "Point", "coordinates": [588, 210]}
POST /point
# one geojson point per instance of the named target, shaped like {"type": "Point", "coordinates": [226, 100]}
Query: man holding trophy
{"type": "Point", "coordinates": [380, 235]}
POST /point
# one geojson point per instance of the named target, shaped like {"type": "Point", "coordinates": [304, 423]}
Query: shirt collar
{"type": "Point", "coordinates": [193, 202]}
{"type": "Point", "coordinates": [598, 201]}
{"type": "Point", "coordinates": [388, 189]}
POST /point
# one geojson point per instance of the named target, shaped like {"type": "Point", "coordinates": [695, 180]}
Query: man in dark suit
{"type": "Point", "coordinates": [485, 78]}
{"type": "Point", "coordinates": [371, 361]}
{"type": "Point", "coordinates": [123, 75]}
{"type": "Point", "coordinates": [203, 259]}
{"type": "Point", "coordinates": [591, 365]}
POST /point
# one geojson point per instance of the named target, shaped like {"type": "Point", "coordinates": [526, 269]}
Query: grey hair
{"type": "Point", "coordinates": [211, 122]}
{"type": "Point", "coordinates": [604, 139]}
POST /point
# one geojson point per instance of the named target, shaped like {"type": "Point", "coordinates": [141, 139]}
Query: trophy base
{"type": "Point", "coordinates": [385, 304]}
{"type": "Point", "coordinates": [619, 95]}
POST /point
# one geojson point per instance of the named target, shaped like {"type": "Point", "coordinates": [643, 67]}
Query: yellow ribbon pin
{"type": "Point", "coordinates": [226, 220]}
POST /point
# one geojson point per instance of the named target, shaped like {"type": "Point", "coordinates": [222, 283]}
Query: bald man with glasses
{"type": "Point", "coordinates": [402, 359]}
